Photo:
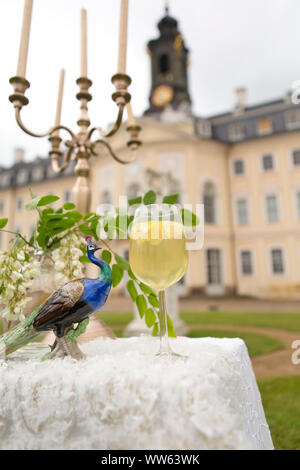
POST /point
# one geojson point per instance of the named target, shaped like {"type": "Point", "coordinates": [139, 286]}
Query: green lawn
{"type": "Point", "coordinates": [280, 320]}
{"type": "Point", "coordinates": [116, 318]}
{"type": "Point", "coordinates": [280, 398]}
{"type": "Point", "coordinates": [256, 343]}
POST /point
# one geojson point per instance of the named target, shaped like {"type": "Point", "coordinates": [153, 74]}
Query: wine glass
{"type": "Point", "coordinates": [158, 255]}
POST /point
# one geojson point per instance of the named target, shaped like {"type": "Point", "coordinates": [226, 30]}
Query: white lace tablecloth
{"type": "Point", "coordinates": [122, 397]}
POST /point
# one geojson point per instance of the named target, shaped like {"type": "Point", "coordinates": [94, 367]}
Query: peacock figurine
{"type": "Point", "coordinates": [72, 303]}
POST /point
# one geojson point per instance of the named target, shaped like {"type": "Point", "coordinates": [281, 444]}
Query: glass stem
{"type": "Point", "coordinates": [164, 339]}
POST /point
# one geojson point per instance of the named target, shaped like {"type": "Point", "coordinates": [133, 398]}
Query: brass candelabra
{"type": "Point", "coordinates": [79, 146]}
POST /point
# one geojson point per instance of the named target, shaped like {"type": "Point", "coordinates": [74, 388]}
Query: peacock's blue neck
{"type": "Point", "coordinates": [105, 274]}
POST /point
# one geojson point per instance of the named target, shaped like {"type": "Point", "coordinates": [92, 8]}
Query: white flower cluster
{"type": "Point", "coordinates": [66, 259]}
{"type": "Point", "coordinates": [18, 269]}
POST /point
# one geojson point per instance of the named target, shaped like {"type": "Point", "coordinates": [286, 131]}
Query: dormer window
{"type": "Point", "coordinates": [204, 128]}
{"type": "Point", "coordinates": [292, 119]}
{"type": "Point", "coordinates": [5, 179]}
{"type": "Point", "coordinates": [236, 132]}
{"type": "Point", "coordinates": [37, 173]}
{"type": "Point", "coordinates": [22, 176]}
{"type": "Point", "coordinates": [264, 126]}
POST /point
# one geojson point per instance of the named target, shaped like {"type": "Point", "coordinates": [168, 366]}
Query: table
{"type": "Point", "coordinates": [123, 397]}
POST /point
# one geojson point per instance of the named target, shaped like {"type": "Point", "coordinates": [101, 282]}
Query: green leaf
{"type": "Point", "coordinates": [141, 305]}
{"type": "Point", "coordinates": [132, 290]}
{"type": "Point", "coordinates": [155, 330]}
{"type": "Point", "coordinates": [171, 333]}
{"type": "Point", "coordinates": [122, 262]}
{"type": "Point", "coordinates": [171, 199]}
{"type": "Point", "coordinates": [32, 204]}
{"type": "Point", "coordinates": [69, 206]}
{"type": "Point", "coordinates": [84, 259]}
{"type": "Point", "coordinates": [3, 222]}
{"type": "Point", "coordinates": [106, 256]}
{"type": "Point", "coordinates": [90, 216]}
{"type": "Point", "coordinates": [150, 317]}
{"type": "Point", "coordinates": [45, 200]}
{"type": "Point", "coordinates": [85, 229]}
{"type": "Point", "coordinates": [169, 323]}
{"type": "Point", "coordinates": [189, 218]}
{"type": "Point", "coordinates": [74, 215]}
{"type": "Point", "coordinates": [146, 289]}
{"type": "Point", "coordinates": [149, 198]}
{"type": "Point", "coordinates": [152, 299]}
{"type": "Point", "coordinates": [48, 210]}
{"type": "Point", "coordinates": [130, 274]}
{"type": "Point", "coordinates": [135, 200]}
{"type": "Point", "coordinates": [117, 274]}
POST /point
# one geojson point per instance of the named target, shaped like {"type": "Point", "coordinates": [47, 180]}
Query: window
{"type": "Point", "coordinates": [1, 206]}
{"type": "Point", "coordinates": [236, 132]}
{"type": "Point", "coordinates": [203, 128]}
{"type": "Point", "coordinates": [38, 173]}
{"type": "Point", "coordinates": [264, 126]}
{"type": "Point", "coordinates": [277, 261]}
{"type": "Point", "coordinates": [67, 196]}
{"type": "Point", "coordinates": [164, 63]}
{"type": "Point", "coordinates": [133, 190]}
{"type": "Point", "coordinates": [5, 179]}
{"type": "Point", "coordinates": [19, 204]}
{"type": "Point", "coordinates": [209, 201]}
{"type": "Point", "coordinates": [213, 258]}
{"type": "Point", "coordinates": [242, 211]}
{"type": "Point", "coordinates": [105, 197]}
{"type": "Point", "coordinates": [272, 208]}
{"type": "Point", "coordinates": [292, 119]}
{"type": "Point", "coordinates": [22, 176]}
{"type": "Point", "coordinates": [246, 263]}
{"type": "Point", "coordinates": [239, 167]}
{"type": "Point", "coordinates": [296, 157]}
{"type": "Point", "coordinates": [298, 204]}
{"type": "Point", "coordinates": [50, 172]}
{"type": "Point", "coordinates": [267, 162]}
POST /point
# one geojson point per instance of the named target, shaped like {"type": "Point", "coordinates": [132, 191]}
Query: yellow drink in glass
{"type": "Point", "coordinates": [157, 253]}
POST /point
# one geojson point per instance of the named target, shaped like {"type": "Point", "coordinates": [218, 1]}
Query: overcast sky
{"type": "Point", "coordinates": [251, 43]}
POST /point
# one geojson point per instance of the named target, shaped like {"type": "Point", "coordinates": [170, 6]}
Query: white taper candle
{"type": "Point", "coordinates": [123, 36]}
{"type": "Point", "coordinates": [83, 43]}
{"type": "Point", "coordinates": [59, 99]}
{"type": "Point", "coordinates": [24, 42]}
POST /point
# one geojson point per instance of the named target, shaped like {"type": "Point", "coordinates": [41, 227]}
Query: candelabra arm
{"type": "Point", "coordinates": [65, 163]}
{"type": "Point", "coordinates": [63, 128]}
{"type": "Point", "coordinates": [114, 128]}
{"type": "Point", "coordinates": [109, 149]}
{"type": "Point", "coordinates": [24, 128]}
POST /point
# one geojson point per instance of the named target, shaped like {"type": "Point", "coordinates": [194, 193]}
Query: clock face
{"type": "Point", "coordinates": [162, 95]}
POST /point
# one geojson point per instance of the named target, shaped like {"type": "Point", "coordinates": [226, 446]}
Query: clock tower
{"type": "Point", "coordinates": [169, 62]}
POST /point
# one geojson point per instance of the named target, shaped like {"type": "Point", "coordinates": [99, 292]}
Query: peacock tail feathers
{"type": "Point", "coordinates": [20, 335]}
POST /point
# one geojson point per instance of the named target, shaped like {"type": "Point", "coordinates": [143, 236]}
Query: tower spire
{"type": "Point", "coordinates": [169, 87]}
{"type": "Point", "coordinates": [166, 7]}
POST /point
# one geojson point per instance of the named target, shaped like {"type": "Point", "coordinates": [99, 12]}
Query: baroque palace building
{"type": "Point", "coordinates": [244, 166]}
